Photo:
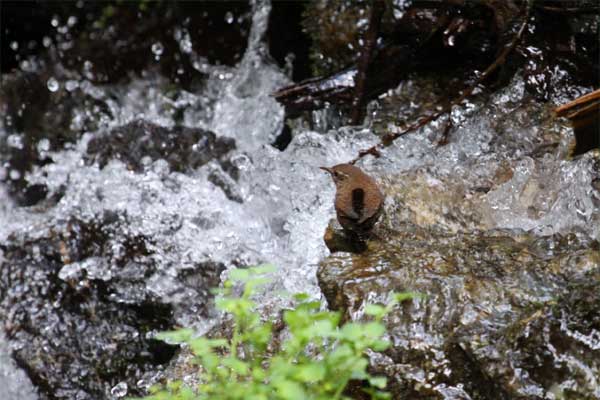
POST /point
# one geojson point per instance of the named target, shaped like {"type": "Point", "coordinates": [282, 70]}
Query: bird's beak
{"type": "Point", "coordinates": [326, 169]}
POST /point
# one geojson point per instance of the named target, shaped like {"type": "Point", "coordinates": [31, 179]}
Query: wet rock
{"type": "Point", "coordinates": [337, 240]}
{"type": "Point", "coordinates": [14, 383]}
{"type": "Point", "coordinates": [98, 43]}
{"type": "Point", "coordinates": [37, 121]}
{"type": "Point", "coordinates": [77, 309]}
{"type": "Point", "coordinates": [334, 31]}
{"type": "Point", "coordinates": [562, 42]}
{"type": "Point", "coordinates": [177, 37]}
{"type": "Point", "coordinates": [220, 178]}
{"type": "Point", "coordinates": [184, 149]}
{"type": "Point", "coordinates": [108, 42]}
{"type": "Point", "coordinates": [507, 314]}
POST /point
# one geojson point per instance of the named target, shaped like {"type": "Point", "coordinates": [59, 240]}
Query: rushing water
{"type": "Point", "coordinates": [283, 201]}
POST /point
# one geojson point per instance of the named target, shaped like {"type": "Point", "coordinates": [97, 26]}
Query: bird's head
{"type": "Point", "coordinates": [341, 173]}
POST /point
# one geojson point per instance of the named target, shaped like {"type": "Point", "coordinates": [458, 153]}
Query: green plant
{"type": "Point", "coordinates": [316, 360]}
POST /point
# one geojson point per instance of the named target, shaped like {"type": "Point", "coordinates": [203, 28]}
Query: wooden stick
{"type": "Point", "coordinates": [359, 101]}
{"type": "Point", "coordinates": [586, 98]}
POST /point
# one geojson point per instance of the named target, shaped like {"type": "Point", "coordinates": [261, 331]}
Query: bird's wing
{"type": "Point", "coordinates": [371, 205]}
{"type": "Point", "coordinates": [358, 202]}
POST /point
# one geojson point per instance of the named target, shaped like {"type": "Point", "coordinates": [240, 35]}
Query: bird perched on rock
{"type": "Point", "coordinates": [358, 200]}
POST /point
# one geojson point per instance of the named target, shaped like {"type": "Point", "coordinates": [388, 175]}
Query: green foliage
{"type": "Point", "coordinates": [316, 361]}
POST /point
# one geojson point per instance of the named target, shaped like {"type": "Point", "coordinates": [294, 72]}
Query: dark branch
{"type": "Point", "coordinates": [389, 138]}
{"type": "Point", "coordinates": [360, 79]}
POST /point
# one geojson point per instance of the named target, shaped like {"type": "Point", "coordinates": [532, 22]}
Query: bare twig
{"type": "Point", "coordinates": [570, 10]}
{"type": "Point", "coordinates": [359, 101]}
{"type": "Point", "coordinates": [389, 138]}
{"type": "Point", "coordinates": [444, 139]}
{"type": "Point", "coordinates": [583, 100]}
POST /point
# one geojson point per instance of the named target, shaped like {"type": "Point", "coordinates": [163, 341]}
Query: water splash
{"type": "Point", "coordinates": [14, 384]}
{"type": "Point", "coordinates": [284, 202]}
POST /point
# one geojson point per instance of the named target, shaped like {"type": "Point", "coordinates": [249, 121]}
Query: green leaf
{"type": "Point", "coordinates": [290, 390]}
{"type": "Point", "coordinates": [258, 396]}
{"type": "Point", "coordinates": [404, 296]}
{"type": "Point", "coordinates": [301, 297]}
{"type": "Point", "coordinates": [341, 352]}
{"type": "Point", "coordinates": [248, 274]}
{"type": "Point", "coordinates": [186, 393]}
{"type": "Point", "coordinates": [375, 310]}
{"type": "Point", "coordinates": [177, 336]}
{"type": "Point", "coordinates": [322, 329]}
{"type": "Point", "coordinates": [309, 306]}
{"type": "Point", "coordinates": [315, 360]}
{"type": "Point", "coordinates": [252, 284]}
{"type": "Point", "coordinates": [293, 318]}
{"type": "Point", "coordinates": [259, 374]}
{"type": "Point", "coordinates": [263, 269]}
{"type": "Point", "coordinates": [373, 329]}
{"type": "Point", "coordinates": [238, 366]}
{"type": "Point", "coordinates": [351, 331]}
{"type": "Point", "coordinates": [259, 336]}
{"type": "Point", "coordinates": [174, 385]}
{"type": "Point", "coordinates": [201, 346]}
{"type": "Point", "coordinates": [379, 345]}
{"type": "Point", "coordinates": [239, 275]}
{"type": "Point", "coordinates": [378, 381]}
{"type": "Point", "coordinates": [310, 372]}
{"type": "Point", "coordinates": [377, 394]}
{"type": "Point", "coordinates": [359, 368]}
{"type": "Point", "coordinates": [238, 307]}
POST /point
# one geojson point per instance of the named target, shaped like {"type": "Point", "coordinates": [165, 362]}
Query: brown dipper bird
{"type": "Point", "coordinates": [358, 200]}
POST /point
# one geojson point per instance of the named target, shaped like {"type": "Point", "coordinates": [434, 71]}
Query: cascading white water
{"type": "Point", "coordinates": [287, 199]}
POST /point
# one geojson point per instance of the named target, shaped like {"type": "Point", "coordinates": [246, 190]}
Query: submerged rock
{"type": "Point", "coordinates": [506, 315]}
{"type": "Point", "coordinates": [37, 121]}
{"type": "Point", "coordinates": [77, 311]}
{"type": "Point", "coordinates": [184, 149]}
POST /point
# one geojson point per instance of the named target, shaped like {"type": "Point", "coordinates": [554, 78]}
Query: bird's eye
{"type": "Point", "coordinates": [339, 175]}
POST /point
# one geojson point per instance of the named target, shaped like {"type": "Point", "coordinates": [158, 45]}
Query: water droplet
{"type": "Point", "coordinates": [399, 7]}
{"type": "Point", "coordinates": [25, 65]}
{"type": "Point", "coordinates": [229, 17]}
{"type": "Point", "coordinates": [54, 22]}
{"type": "Point", "coordinates": [362, 23]}
{"type": "Point", "coordinates": [52, 84]}
{"type": "Point", "coordinates": [46, 41]}
{"type": "Point", "coordinates": [43, 145]}
{"type": "Point", "coordinates": [157, 50]}
{"type": "Point", "coordinates": [186, 44]}
{"type": "Point", "coordinates": [14, 174]}
{"type": "Point", "coordinates": [15, 141]}
{"type": "Point", "coordinates": [119, 390]}
{"type": "Point", "coordinates": [88, 69]}
{"type": "Point", "coordinates": [71, 85]}
{"type": "Point", "coordinates": [14, 46]}
{"type": "Point", "coordinates": [72, 20]}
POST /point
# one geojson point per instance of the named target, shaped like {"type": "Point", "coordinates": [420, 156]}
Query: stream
{"type": "Point", "coordinates": [158, 190]}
